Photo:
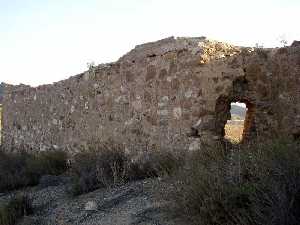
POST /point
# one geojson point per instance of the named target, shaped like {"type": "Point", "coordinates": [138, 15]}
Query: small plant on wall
{"type": "Point", "coordinates": [91, 67]}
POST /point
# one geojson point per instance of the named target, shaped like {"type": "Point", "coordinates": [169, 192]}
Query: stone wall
{"type": "Point", "coordinates": [170, 94]}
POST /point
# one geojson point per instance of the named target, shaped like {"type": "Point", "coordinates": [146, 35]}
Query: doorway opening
{"type": "Point", "coordinates": [235, 125]}
{"type": "Point", "coordinates": [235, 113]}
{"type": "Point", "coordinates": [235, 119]}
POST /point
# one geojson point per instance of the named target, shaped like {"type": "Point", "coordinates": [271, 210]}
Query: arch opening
{"type": "Point", "coordinates": [235, 119]}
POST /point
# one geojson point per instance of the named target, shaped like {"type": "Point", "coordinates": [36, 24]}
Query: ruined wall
{"type": "Point", "coordinates": [174, 93]}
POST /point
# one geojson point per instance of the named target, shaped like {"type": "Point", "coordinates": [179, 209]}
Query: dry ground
{"type": "Point", "coordinates": [136, 203]}
{"type": "Point", "coordinates": [234, 131]}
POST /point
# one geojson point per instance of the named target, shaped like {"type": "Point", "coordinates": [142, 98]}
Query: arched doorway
{"type": "Point", "coordinates": [238, 96]}
{"type": "Point", "coordinates": [235, 119]}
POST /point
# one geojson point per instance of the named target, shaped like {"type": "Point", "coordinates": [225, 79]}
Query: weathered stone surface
{"type": "Point", "coordinates": [172, 93]}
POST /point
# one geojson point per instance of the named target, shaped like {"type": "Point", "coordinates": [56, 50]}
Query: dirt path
{"type": "Point", "coordinates": [136, 203]}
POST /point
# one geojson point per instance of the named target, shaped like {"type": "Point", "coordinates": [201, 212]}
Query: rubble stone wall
{"type": "Point", "coordinates": [169, 94]}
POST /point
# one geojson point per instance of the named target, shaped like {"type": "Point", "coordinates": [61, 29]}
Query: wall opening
{"type": "Point", "coordinates": [235, 119]}
{"type": "Point", "coordinates": [234, 127]}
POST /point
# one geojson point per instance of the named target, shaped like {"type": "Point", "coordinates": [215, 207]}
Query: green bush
{"type": "Point", "coordinates": [257, 184]}
{"type": "Point", "coordinates": [15, 209]}
{"type": "Point", "coordinates": [19, 170]}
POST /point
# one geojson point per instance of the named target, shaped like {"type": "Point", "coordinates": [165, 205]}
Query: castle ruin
{"type": "Point", "coordinates": [174, 93]}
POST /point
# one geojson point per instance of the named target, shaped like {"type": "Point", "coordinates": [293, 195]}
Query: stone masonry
{"type": "Point", "coordinates": [169, 94]}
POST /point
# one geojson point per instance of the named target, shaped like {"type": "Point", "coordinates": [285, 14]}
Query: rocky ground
{"type": "Point", "coordinates": [137, 203]}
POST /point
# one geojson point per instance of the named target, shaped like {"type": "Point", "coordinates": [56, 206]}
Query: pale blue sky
{"type": "Point", "coordinates": [43, 41]}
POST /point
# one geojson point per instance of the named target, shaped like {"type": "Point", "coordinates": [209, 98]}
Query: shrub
{"type": "Point", "coordinates": [155, 164]}
{"type": "Point", "coordinates": [22, 169]}
{"type": "Point", "coordinates": [92, 170]}
{"type": "Point", "coordinates": [257, 184]}
{"type": "Point", "coordinates": [110, 166]}
{"type": "Point", "coordinates": [14, 209]}
{"type": "Point", "coordinates": [46, 163]}
{"type": "Point", "coordinates": [53, 180]}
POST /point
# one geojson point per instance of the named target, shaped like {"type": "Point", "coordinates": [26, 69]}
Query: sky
{"type": "Point", "coordinates": [43, 41]}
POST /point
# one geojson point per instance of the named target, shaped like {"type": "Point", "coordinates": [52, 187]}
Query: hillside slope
{"type": "Point", "coordinates": [238, 111]}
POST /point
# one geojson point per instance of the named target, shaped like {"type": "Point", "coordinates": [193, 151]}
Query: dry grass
{"type": "Point", "coordinates": [111, 166]}
{"type": "Point", "coordinates": [249, 185]}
